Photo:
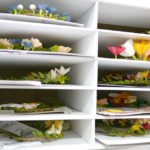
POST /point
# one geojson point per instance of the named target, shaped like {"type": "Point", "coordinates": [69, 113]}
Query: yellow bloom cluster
{"type": "Point", "coordinates": [135, 127]}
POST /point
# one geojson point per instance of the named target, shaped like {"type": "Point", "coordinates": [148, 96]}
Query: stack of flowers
{"type": "Point", "coordinates": [124, 127]}
{"type": "Point", "coordinates": [41, 10]}
{"type": "Point", "coordinates": [132, 48]}
{"type": "Point", "coordinates": [28, 107]}
{"type": "Point", "coordinates": [40, 131]}
{"type": "Point", "coordinates": [120, 100]}
{"type": "Point", "coordinates": [141, 78]}
{"type": "Point", "coordinates": [32, 44]}
{"type": "Point", "coordinates": [54, 76]}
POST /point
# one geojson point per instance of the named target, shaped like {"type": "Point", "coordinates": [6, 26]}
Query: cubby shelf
{"type": "Point", "coordinates": [88, 61]}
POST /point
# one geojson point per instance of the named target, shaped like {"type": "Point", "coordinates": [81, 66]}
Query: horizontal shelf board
{"type": "Point", "coordinates": [111, 140]}
{"type": "Point", "coordinates": [121, 12]}
{"type": "Point", "coordinates": [49, 53]}
{"type": "Point", "coordinates": [35, 19]}
{"type": "Point", "coordinates": [38, 60]}
{"type": "Point", "coordinates": [75, 115]}
{"type": "Point", "coordinates": [123, 117]}
{"type": "Point", "coordinates": [46, 33]}
{"type": "Point", "coordinates": [112, 64]}
{"type": "Point", "coordinates": [49, 87]}
{"type": "Point", "coordinates": [69, 140]}
{"type": "Point", "coordinates": [145, 88]}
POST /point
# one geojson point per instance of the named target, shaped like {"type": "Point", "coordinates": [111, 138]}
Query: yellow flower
{"type": "Point", "coordinates": [141, 47]}
{"type": "Point", "coordinates": [135, 127]}
{"type": "Point", "coordinates": [57, 123]}
{"type": "Point", "coordinates": [144, 74]}
{"type": "Point", "coordinates": [49, 123]}
{"type": "Point", "coordinates": [113, 110]}
{"type": "Point", "coordinates": [122, 122]}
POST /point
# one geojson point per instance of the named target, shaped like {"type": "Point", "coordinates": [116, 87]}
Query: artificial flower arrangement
{"type": "Point", "coordinates": [124, 127]}
{"type": "Point", "coordinates": [122, 104]}
{"type": "Point", "coordinates": [141, 78]}
{"type": "Point", "coordinates": [32, 44]}
{"type": "Point", "coordinates": [39, 130]}
{"type": "Point", "coordinates": [121, 100]}
{"type": "Point", "coordinates": [41, 10]}
{"type": "Point", "coordinates": [29, 107]}
{"type": "Point", "coordinates": [136, 49]}
{"type": "Point", "coordinates": [54, 76]}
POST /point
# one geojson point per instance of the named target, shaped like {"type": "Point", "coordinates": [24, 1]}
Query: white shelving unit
{"type": "Point", "coordinates": [89, 60]}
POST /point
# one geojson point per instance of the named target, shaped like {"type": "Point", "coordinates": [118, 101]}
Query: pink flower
{"type": "Point", "coordinates": [116, 50]}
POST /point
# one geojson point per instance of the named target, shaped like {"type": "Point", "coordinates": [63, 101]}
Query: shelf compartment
{"type": "Point", "coordinates": [142, 95]}
{"type": "Point", "coordinates": [117, 12]}
{"type": "Point", "coordinates": [81, 134]}
{"type": "Point", "coordinates": [127, 140]}
{"type": "Point", "coordinates": [81, 103]}
{"type": "Point", "coordinates": [115, 38]}
{"type": "Point", "coordinates": [84, 15]}
{"type": "Point", "coordinates": [51, 35]}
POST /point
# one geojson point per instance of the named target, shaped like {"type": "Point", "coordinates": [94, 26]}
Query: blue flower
{"type": "Point", "coordinates": [51, 10]}
{"type": "Point", "coordinates": [15, 41]}
{"type": "Point", "coordinates": [12, 8]}
{"type": "Point", "coordinates": [42, 6]}
{"type": "Point", "coordinates": [65, 14]}
{"type": "Point", "coordinates": [68, 18]}
{"type": "Point", "coordinates": [27, 44]}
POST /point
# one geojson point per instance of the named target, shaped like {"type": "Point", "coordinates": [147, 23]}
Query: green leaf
{"type": "Point", "coordinates": [40, 134]}
{"type": "Point", "coordinates": [54, 48]}
{"type": "Point", "coordinates": [47, 135]}
{"type": "Point", "coordinates": [21, 134]}
{"type": "Point", "coordinates": [41, 75]}
{"type": "Point", "coordinates": [34, 134]}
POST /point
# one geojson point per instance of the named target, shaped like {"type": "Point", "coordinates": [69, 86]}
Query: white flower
{"type": "Point", "coordinates": [64, 49]}
{"type": "Point", "coordinates": [129, 49]}
{"type": "Point", "coordinates": [36, 43]}
{"type": "Point", "coordinates": [53, 74]}
{"type": "Point", "coordinates": [20, 6]}
{"type": "Point", "coordinates": [6, 43]}
{"type": "Point", "coordinates": [32, 7]}
{"type": "Point", "coordinates": [62, 70]}
{"type": "Point", "coordinates": [56, 127]}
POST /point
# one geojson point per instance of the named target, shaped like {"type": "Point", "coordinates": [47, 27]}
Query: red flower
{"type": "Point", "coordinates": [116, 50]}
{"type": "Point", "coordinates": [146, 126]}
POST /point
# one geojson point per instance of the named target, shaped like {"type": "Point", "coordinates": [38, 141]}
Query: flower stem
{"type": "Point", "coordinates": [41, 13]}
{"type": "Point", "coordinates": [15, 12]}
{"type": "Point", "coordinates": [115, 56]}
{"type": "Point", "coordinates": [133, 56]}
{"type": "Point", "coordinates": [145, 58]}
{"type": "Point", "coordinates": [33, 10]}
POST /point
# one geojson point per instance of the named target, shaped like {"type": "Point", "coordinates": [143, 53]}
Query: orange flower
{"type": "Point", "coordinates": [123, 95]}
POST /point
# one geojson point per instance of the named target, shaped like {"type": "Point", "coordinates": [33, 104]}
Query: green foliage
{"type": "Point", "coordinates": [140, 82]}
{"type": "Point", "coordinates": [41, 49]}
{"type": "Point", "coordinates": [2, 46]}
{"type": "Point", "coordinates": [17, 46]}
{"type": "Point", "coordinates": [46, 78]}
{"type": "Point", "coordinates": [54, 48]}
